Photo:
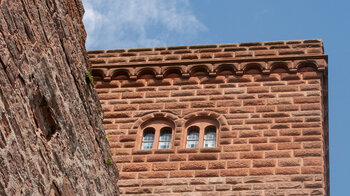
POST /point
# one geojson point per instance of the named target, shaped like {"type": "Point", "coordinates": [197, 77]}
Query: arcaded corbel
{"type": "Point", "coordinates": [264, 65]}
{"type": "Point", "coordinates": [293, 65]}
{"type": "Point", "coordinates": [239, 73]}
{"type": "Point", "coordinates": [185, 75]}
{"type": "Point", "coordinates": [133, 77]}
{"type": "Point", "coordinates": [212, 74]}
{"type": "Point", "coordinates": [293, 70]}
{"type": "Point", "coordinates": [321, 68]}
{"type": "Point", "coordinates": [321, 63]}
{"type": "Point", "coordinates": [107, 78]}
{"type": "Point", "coordinates": [266, 71]}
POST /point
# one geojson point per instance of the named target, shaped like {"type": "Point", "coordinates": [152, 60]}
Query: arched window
{"type": "Point", "coordinates": [157, 134]}
{"type": "Point", "coordinates": [201, 132]}
{"type": "Point", "coordinates": [192, 137]}
{"type": "Point", "coordinates": [165, 138]}
{"type": "Point", "coordinates": [209, 137]}
{"type": "Point", "coordinates": [148, 138]}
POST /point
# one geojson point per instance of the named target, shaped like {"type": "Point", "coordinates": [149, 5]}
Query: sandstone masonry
{"type": "Point", "coordinates": [51, 137]}
{"type": "Point", "coordinates": [265, 102]}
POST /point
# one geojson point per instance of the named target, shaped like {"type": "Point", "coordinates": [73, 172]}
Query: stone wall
{"type": "Point", "coordinates": [266, 100]}
{"type": "Point", "coordinates": [51, 137]}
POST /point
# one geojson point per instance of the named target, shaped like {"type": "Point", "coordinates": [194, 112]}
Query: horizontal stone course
{"type": "Point", "coordinates": [261, 49]}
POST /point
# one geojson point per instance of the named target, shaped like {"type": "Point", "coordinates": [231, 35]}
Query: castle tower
{"type": "Point", "coordinates": [227, 119]}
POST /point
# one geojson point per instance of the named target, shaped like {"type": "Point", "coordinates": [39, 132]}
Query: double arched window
{"type": "Point", "coordinates": [157, 134]}
{"type": "Point", "coordinates": [201, 133]}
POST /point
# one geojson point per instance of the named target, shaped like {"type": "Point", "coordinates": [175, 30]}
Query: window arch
{"type": "Point", "coordinates": [201, 133]}
{"type": "Point", "coordinates": [157, 134]}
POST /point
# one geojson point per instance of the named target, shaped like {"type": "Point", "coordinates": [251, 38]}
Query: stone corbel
{"type": "Point", "coordinates": [133, 77]}
{"type": "Point", "coordinates": [266, 71]}
{"type": "Point", "coordinates": [186, 75]}
{"type": "Point", "coordinates": [239, 73]}
{"type": "Point", "coordinates": [107, 78]}
{"type": "Point", "coordinates": [293, 70]}
{"type": "Point", "coordinates": [159, 76]}
{"type": "Point", "coordinates": [212, 74]}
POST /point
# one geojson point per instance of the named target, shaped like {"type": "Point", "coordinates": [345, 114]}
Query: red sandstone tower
{"type": "Point", "coordinates": [229, 119]}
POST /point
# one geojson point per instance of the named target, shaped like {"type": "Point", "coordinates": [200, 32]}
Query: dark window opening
{"type": "Point", "coordinates": [192, 137]}
{"type": "Point", "coordinates": [165, 138]}
{"type": "Point", "coordinates": [148, 138]}
{"type": "Point", "coordinates": [209, 137]}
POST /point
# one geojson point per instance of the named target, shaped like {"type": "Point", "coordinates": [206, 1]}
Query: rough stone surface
{"type": "Point", "coordinates": [51, 137]}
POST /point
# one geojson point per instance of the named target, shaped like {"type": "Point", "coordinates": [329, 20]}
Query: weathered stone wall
{"type": "Point", "coordinates": [268, 101]}
{"type": "Point", "coordinates": [51, 136]}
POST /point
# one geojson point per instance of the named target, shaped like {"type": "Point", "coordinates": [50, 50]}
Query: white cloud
{"type": "Point", "coordinates": [138, 23]}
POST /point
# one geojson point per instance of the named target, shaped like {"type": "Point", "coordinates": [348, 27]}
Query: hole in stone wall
{"type": "Point", "coordinates": [45, 119]}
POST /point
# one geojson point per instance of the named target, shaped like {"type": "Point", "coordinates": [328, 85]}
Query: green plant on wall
{"type": "Point", "coordinates": [108, 161]}
{"type": "Point", "coordinates": [89, 78]}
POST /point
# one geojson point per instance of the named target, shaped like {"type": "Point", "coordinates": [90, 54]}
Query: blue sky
{"type": "Point", "coordinates": [150, 23]}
